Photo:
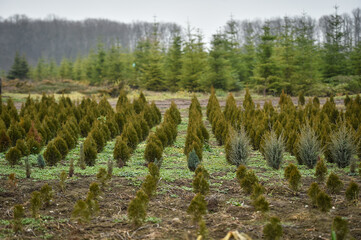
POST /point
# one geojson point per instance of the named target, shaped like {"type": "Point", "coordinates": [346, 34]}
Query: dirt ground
{"type": "Point", "coordinates": [299, 219]}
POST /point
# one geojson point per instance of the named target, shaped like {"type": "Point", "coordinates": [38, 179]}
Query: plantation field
{"type": "Point", "coordinates": [229, 208]}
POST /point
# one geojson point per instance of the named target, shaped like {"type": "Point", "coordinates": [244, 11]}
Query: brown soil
{"type": "Point", "coordinates": [299, 219]}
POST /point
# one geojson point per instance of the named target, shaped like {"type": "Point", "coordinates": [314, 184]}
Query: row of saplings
{"type": "Point", "coordinates": [164, 136]}
{"type": "Point", "coordinates": [83, 209]}
{"type": "Point", "coordinates": [97, 122]}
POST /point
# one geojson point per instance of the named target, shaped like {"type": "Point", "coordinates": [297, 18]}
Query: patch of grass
{"type": "Point", "coordinates": [235, 202]}
{"type": "Point", "coordinates": [155, 220]}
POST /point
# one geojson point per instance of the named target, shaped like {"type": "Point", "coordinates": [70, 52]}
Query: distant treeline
{"type": "Point", "coordinates": [297, 54]}
{"type": "Point", "coordinates": [55, 38]}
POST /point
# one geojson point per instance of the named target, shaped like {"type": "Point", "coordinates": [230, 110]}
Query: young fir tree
{"type": "Point", "coordinates": [198, 207]}
{"type": "Point", "coordinates": [35, 202]}
{"type": "Point", "coordinates": [153, 76]}
{"type": "Point", "coordinates": [321, 170]}
{"type": "Point", "coordinates": [200, 184]}
{"type": "Point", "coordinates": [340, 228]}
{"type": "Point", "coordinates": [313, 192]}
{"type": "Point", "coordinates": [323, 201]}
{"type": "Point", "coordinates": [220, 74]}
{"type": "Point", "coordinates": [46, 194]}
{"type": "Point", "coordinates": [266, 68]}
{"type": "Point", "coordinates": [153, 149]}
{"type": "Point", "coordinates": [62, 146]}
{"type": "Point", "coordinates": [173, 64]}
{"type": "Point", "coordinates": [273, 230]}
{"type": "Point", "coordinates": [20, 68]}
{"type": "Point", "coordinates": [334, 184]}
{"type": "Point", "coordinates": [62, 177]}
{"type": "Point", "coordinates": [81, 212]}
{"type": "Point", "coordinates": [13, 156]}
{"type": "Point", "coordinates": [121, 152]}
{"type": "Point", "coordinates": [137, 208]}
{"type": "Point", "coordinates": [194, 62]}
{"type": "Point", "coordinates": [90, 151]}
{"type": "Point", "coordinates": [52, 155]}
{"type": "Point", "coordinates": [18, 216]}
{"type": "Point", "coordinates": [352, 192]}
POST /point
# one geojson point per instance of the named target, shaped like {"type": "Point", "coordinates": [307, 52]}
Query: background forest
{"type": "Point", "coordinates": [298, 54]}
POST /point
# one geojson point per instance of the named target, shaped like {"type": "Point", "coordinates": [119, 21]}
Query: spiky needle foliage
{"type": "Point", "coordinates": [239, 148]}
{"type": "Point", "coordinates": [308, 146]}
{"type": "Point", "coordinates": [342, 146]}
{"type": "Point", "coordinates": [193, 160]}
{"type": "Point", "coordinates": [273, 149]}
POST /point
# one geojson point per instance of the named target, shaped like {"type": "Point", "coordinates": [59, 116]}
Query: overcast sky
{"type": "Point", "coordinates": [207, 15]}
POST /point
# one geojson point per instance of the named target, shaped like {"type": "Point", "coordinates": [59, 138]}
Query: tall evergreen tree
{"type": "Point", "coordinates": [141, 57]}
{"type": "Point", "coordinates": [40, 70]}
{"type": "Point", "coordinates": [173, 64]}
{"type": "Point", "coordinates": [20, 68]}
{"type": "Point", "coordinates": [286, 54]}
{"type": "Point", "coordinates": [114, 65]}
{"type": "Point", "coordinates": [334, 51]}
{"type": "Point", "coordinates": [249, 54]}
{"type": "Point", "coordinates": [307, 57]}
{"type": "Point", "coordinates": [220, 71]}
{"type": "Point", "coordinates": [98, 69]}
{"type": "Point", "coordinates": [266, 69]}
{"type": "Point", "coordinates": [234, 55]}
{"type": "Point", "coordinates": [194, 62]}
{"type": "Point", "coordinates": [356, 59]}
{"type": "Point", "coordinates": [66, 69]}
{"type": "Point", "coordinates": [153, 76]}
